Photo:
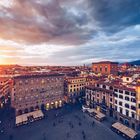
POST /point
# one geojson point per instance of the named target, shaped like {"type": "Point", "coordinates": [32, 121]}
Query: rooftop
{"type": "Point", "coordinates": [37, 75]}
{"type": "Point", "coordinates": [105, 62]}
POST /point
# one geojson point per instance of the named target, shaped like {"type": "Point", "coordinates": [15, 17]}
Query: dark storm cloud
{"type": "Point", "coordinates": [79, 30]}
{"type": "Point", "coordinates": [114, 15]}
{"type": "Point", "coordinates": [39, 21]}
{"type": "Point", "coordinates": [65, 21]}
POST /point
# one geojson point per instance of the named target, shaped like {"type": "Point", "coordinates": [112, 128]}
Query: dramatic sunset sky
{"type": "Point", "coordinates": [69, 32]}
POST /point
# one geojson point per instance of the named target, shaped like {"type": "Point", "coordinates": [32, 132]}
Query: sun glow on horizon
{"type": "Point", "coordinates": [6, 60]}
{"type": "Point", "coordinates": [1, 60]}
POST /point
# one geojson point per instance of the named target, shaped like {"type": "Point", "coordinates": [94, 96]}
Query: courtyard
{"type": "Point", "coordinates": [66, 123]}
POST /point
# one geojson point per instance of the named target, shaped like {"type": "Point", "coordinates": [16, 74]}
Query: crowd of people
{"type": "Point", "coordinates": [71, 123]}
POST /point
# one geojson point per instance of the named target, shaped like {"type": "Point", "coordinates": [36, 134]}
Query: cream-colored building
{"type": "Point", "coordinates": [100, 98]}
{"type": "Point", "coordinates": [75, 87]}
{"type": "Point", "coordinates": [138, 101]}
{"type": "Point", "coordinates": [4, 90]}
{"type": "Point", "coordinates": [119, 101]}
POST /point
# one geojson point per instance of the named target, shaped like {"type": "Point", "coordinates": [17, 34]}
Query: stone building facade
{"type": "Point", "coordinates": [105, 67]}
{"type": "Point", "coordinates": [75, 87]}
{"type": "Point", "coordinates": [118, 101]}
{"type": "Point", "coordinates": [32, 92]}
{"type": "Point", "coordinates": [5, 88]}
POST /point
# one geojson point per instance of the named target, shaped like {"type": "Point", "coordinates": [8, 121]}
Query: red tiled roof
{"type": "Point", "coordinates": [105, 62]}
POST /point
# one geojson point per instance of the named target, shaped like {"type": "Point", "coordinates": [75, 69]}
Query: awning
{"type": "Point", "coordinates": [24, 118]}
{"type": "Point", "coordinates": [18, 120]}
{"type": "Point", "coordinates": [100, 115]}
{"type": "Point", "coordinates": [125, 130]}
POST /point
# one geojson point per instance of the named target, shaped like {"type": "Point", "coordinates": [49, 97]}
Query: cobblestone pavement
{"type": "Point", "coordinates": [67, 123]}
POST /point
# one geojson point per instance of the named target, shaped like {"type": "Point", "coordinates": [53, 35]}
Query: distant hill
{"type": "Point", "coordinates": [137, 62]}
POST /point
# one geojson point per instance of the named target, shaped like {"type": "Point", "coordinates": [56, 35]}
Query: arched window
{"type": "Point", "coordinates": [104, 86]}
{"type": "Point", "coordinates": [20, 112]}
{"type": "Point", "coordinates": [111, 88]}
{"type": "Point", "coordinates": [26, 110]}
{"type": "Point", "coordinates": [31, 109]}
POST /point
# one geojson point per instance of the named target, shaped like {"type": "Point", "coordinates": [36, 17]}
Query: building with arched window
{"type": "Point", "coordinates": [105, 67]}
{"type": "Point", "coordinates": [116, 100]}
{"type": "Point", "coordinates": [32, 92]}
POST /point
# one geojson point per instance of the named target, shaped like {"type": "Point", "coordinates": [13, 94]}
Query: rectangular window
{"type": "Point", "coordinates": [120, 103]}
{"type": "Point", "coordinates": [121, 91]}
{"type": "Point", "coordinates": [127, 92]}
{"type": "Point", "coordinates": [127, 113]}
{"type": "Point", "coordinates": [127, 79]}
{"type": "Point", "coordinates": [133, 94]}
{"type": "Point", "coordinates": [133, 115]}
{"type": "Point", "coordinates": [96, 69]}
{"type": "Point", "coordinates": [116, 108]}
{"type": "Point", "coordinates": [97, 85]}
{"type": "Point", "coordinates": [127, 98]}
{"type": "Point", "coordinates": [133, 107]}
{"type": "Point", "coordinates": [133, 100]}
{"type": "Point", "coordinates": [120, 110]}
{"type": "Point", "coordinates": [116, 90]}
{"type": "Point", "coordinates": [100, 69]}
{"type": "Point", "coordinates": [139, 106]}
{"type": "Point", "coordinates": [127, 105]}
{"type": "Point", "coordinates": [116, 95]}
{"type": "Point", "coordinates": [120, 96]}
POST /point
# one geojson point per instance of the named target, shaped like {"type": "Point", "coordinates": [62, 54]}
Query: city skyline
{"type": "Point", "coordinates": [59, 32]}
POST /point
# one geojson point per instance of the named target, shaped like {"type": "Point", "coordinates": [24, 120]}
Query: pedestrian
{"type": "Point", "coordinates": [83, 133]}
{"type": "Point", "coordinates": [84, 137]}
{"type": "Point", "coordinates": [92, 123]}
{"type": "Point", "coordinates": [72, 126]}
{"type": "Point", "coordinates": [10, 137]}
{"type": "Point", "coordinates": [44, 136]}
{"type": "Point", "coordinates": [54, 124]}
{"type": "Point", "coordinates": [68, 134]}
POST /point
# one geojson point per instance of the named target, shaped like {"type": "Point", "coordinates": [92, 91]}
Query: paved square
{"type": "Point", "coordinates": [67, 123]}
